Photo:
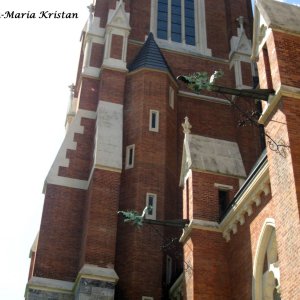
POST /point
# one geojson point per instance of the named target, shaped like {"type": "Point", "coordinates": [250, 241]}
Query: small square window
{"type": "Point", "coordinates": [151, 204]}
{"type": "Point", "coordinates": [129, 161]}
{"type": "Point", "coordinates": [154, 120]}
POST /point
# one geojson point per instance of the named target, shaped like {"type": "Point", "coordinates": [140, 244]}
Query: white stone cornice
{"type": "Point", "coordinates": [50, 285]}
{"type": "Point", "coordinates": [244, 205]}
{"type": "Point", "coordinates": [98, 273]}
{"type": "Point", "coordinates": [199, 224]}
{"type": "Point", "coordinates": [282, 91]}
{"type": "Point", "coordinates": [203, 97]}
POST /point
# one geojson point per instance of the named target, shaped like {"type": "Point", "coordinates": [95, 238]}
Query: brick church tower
{"type": "Point", "coordinates": [125, 149]}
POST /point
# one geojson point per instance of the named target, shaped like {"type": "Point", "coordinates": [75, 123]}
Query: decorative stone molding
{"type": "Point", "coordinates": [203, 97]}
{"type": "Point", "coordinates": [176, 291]}
{"type": "Point", "coordinates": [68, 144]}
{"type": "Point", "coordinates": [94, 282]}
{"type": "Point", "coordinates": [199, 224]}
{"type": "Point", "coordinates": [282, 91]}
{"type": "Point", "coordinates": [117, 24]}
{"type": "Point", "coordinates": [240, 52]}
{"type": "Point", "coordinates": [109, 139]}
{"type": "Point", "coordinates": [45, 288]}
{"type": "Point", "coordinates": [200, 31]}
{"type": "Point", "coordinates": [239, 211]}
{"type": "Point", "coordinates": [244, 205]}
{"type": "Point", "coordinates": [93, 34]}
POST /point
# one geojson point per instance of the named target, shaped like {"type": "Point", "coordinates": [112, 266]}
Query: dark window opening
{"type": "Point", "coordinates": [130, 158]}
{"type": "Point", "coordinates": [223, 201]}
{"type": "Point", "coordinates": [150, 205]}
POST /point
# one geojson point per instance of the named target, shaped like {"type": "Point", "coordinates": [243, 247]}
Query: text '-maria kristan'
{"type": "Point", "coordinates": [44, 14]}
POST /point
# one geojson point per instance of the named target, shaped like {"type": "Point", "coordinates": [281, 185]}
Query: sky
{"type": "Point", "coordinates": [38, 61]}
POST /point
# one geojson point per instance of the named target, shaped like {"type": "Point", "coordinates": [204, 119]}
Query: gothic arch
{"type": "Point", "coordinates": [266, 275]}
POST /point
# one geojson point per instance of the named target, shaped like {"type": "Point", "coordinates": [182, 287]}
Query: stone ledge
{"type": "Point", "coordinates": [283, 91]}
{"type": "Point", "coordinates": [53, 285]}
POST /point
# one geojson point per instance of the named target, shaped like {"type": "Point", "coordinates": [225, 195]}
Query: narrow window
{"type": "Point", "coordinates": [168, 270]}
{"type": "Point", "coordinates": [154, 120]}
{"type": "Point", "coordinates": [129, 162]}
{"type": "Point", "coordinates": [151, 204]}
{"type": "Point", "coordinates": [223, 201]}
{"type": "Point", "coordinates": [189, 22]}
{"type": "Point", "coordinates": [147, 298]}
{"type": "Point", "coordinates": [171, 97]}
{"type": "Point", "coordinates": [176, 21]}
{"type": "Point", "coordinates": [162, 19]}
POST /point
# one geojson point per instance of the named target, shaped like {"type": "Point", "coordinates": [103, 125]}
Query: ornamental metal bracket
{"type": "Point", "coordinates": [200, 81]}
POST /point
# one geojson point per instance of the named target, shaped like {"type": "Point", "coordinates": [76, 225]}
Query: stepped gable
{"type": "Point", "coordinates": [150, 57]}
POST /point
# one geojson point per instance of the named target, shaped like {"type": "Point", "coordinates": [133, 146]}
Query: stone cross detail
{"type": "Point", "coordinates": [186, 126]}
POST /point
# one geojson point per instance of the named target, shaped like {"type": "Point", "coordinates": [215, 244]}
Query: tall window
{"type": "Point", "coordinates": [151, 203]}
{"type": "Point", "coordinates": [176, 21]}
{"type": "Point", "coordinates": [154, 120]}
{"type": "Point", "coordinates": [129, 161]}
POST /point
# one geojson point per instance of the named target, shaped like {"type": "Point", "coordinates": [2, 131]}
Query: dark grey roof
{"type": "Point", "coordinates": [150, 57]}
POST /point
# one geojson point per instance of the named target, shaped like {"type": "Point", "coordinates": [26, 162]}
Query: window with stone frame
{"type": "Point", "coordinates": [176, 21]}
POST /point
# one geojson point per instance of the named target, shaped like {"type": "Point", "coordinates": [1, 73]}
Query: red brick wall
{"type": "Point", "coordinates": [112, 84]}
{"type": "Point", "coordinates": [60, 233]}
{"type": "Point", "coordinates": [285, 189]}
{"type": "Point", "coordinates": [241, 249]}
{"type": "Point", "coordinates": [216, 28]}
{"type": "Point", "coordinates": [140, 12]}
{"type": "Point", "coordinates": [99, 238]}
{"type": "Point", "coordinates": [288, 57]}
{"type": "Point", "coordinates": [88, 94]}
{"type": "Point", "coordinates": [96, 55]}
{"type": "Point", "coordinates": [204, 201]}
{"type": "Point", "coordinates": [116, 46]}
{"type": "Point", "coordinates": [209, 265]}
{"type": "Point", "coordinates": [80, 160]}
{"type": "Point", "coordinates": [154, 171]}
{"type": "Point", "coordinates": [247, 73]}
{"type": "Point", "coordinates": [282, 127]}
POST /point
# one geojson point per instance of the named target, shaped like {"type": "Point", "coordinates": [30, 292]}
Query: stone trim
{"type": "Point", "coordinates": [51, 285]}
{"type": "Point", "coordinates": [283, 91]}
{"type": "Point", "coordinates": [98, 273]}
{"type": "Point", "coordinates": [176, 289]}
{"type": "Point", "coordinates": [199, 224]}
{"type": "Point", "coordinates": [243, 207]}
{"type": "Point", "coordinates": [203, 97]}
{"type": "Point", "coordinates": [62, 161]}
{"type": "Point", "coordinates": [200, 31]}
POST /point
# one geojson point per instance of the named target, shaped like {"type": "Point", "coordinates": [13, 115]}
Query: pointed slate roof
{"type": "Point", "coordinates": [150, 57]}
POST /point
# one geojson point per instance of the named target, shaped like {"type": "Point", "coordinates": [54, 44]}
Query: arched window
{"type": "Point", "coordinates": [266, 275]}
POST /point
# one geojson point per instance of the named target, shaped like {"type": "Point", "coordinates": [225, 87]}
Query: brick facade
{"type": "Point", "coordinates": [85, 249]}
